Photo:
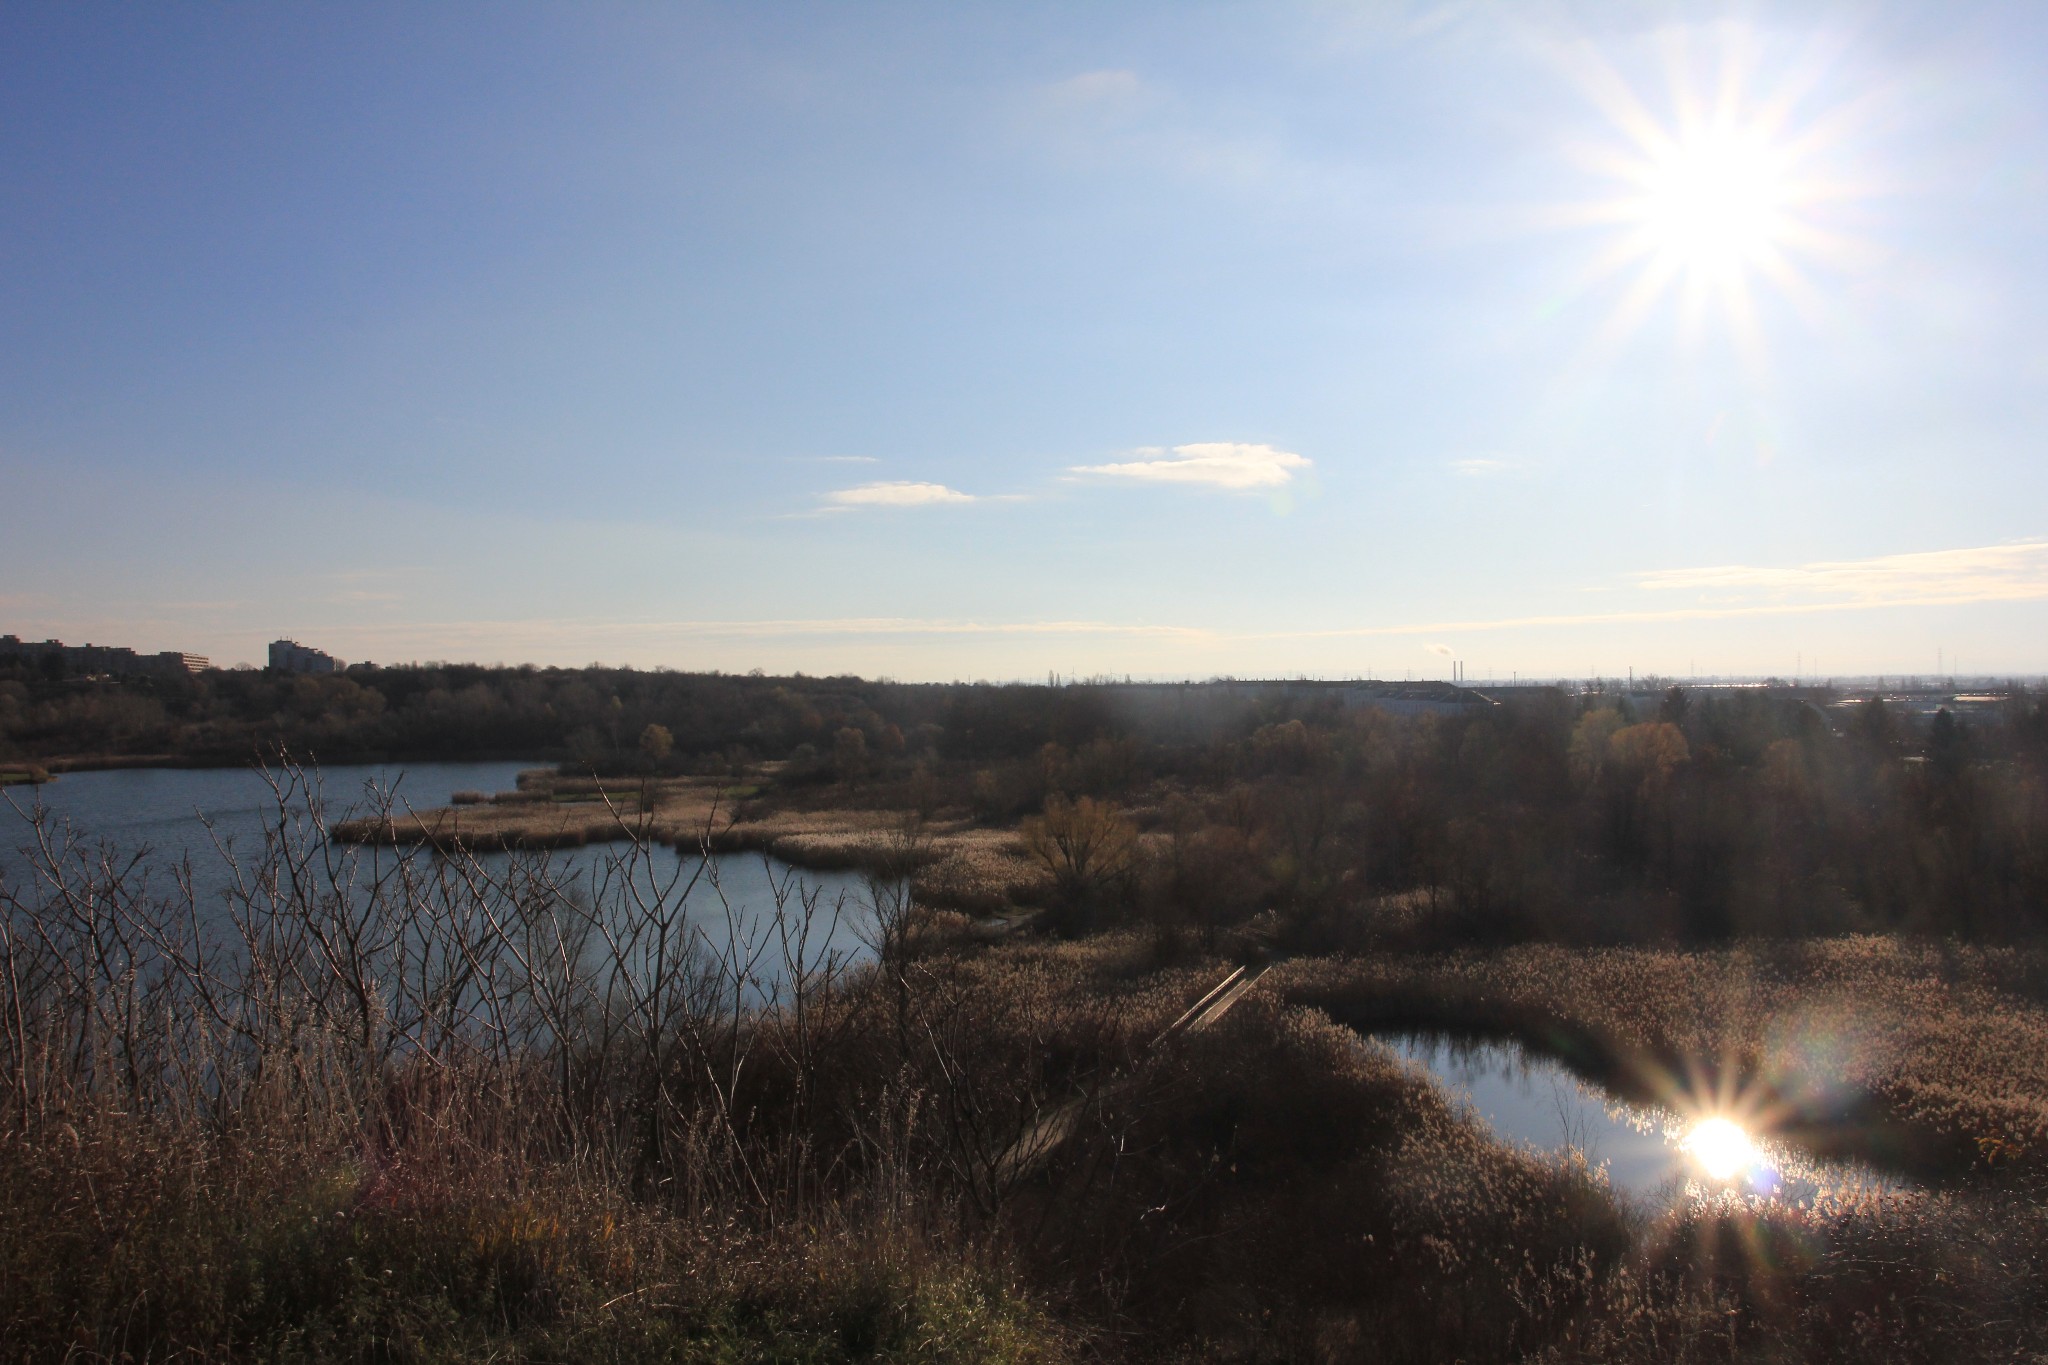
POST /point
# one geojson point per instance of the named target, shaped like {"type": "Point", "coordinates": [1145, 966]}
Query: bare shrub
{"type": "Point", "coordinates": [1088, 847]}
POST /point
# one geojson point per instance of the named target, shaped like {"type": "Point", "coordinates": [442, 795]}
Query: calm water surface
{"type": "Point", "coordinates": [168, 814]}
{"type": "Point", "coordinates": [1647, 1151]}
{"type": "Point", "coordinates": [165, 811]}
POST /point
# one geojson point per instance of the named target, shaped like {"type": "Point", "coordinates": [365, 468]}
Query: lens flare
{"type": "Point", "coordinates": [1721, 1148]}
{"type": "Point", "coordinates": [1729, 181]}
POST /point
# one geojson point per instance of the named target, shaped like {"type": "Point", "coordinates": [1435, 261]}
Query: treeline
{"type": "Point", "coordinates": [1552, 817]}
{"type": "Point", "coordinates": [1710, 815]}
{"type": "Point", "coordinates": [587, 718]}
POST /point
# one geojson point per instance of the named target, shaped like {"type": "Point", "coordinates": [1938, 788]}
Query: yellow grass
{"type": "Point", "coordinates": [1950, 1039]}
{"type": "Point", "coordinates": [967, 866]}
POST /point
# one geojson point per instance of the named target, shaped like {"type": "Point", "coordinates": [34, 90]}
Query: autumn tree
{"type": "Point", "coordinates": [1087, 845]}
{"type": "Point", "coordinates": [656, 743]}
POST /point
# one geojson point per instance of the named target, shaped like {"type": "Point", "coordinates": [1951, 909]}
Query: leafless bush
{"type": "Point", "coordinates": [454, 1032]}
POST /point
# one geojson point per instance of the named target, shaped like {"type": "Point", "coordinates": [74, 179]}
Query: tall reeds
{"type": "Point", "coordinates": [522, 1103]}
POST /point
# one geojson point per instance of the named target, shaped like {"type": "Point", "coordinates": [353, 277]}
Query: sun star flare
{"type": "Point", "coordinates": [1721, 1147]}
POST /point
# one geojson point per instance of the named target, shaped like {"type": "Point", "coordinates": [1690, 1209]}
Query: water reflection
{"type": "Point", "coordinates": [1722, 1149]}
{"type": "Point", "coordinates": [169, 816]}
{"type": "Point", "coordinates": [1653, 1154]}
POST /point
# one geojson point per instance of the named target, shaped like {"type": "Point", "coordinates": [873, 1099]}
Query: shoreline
{"type": "Point", "coordinates": [954, 864]}
{"type": "Point", "coordinates": [94, 763]}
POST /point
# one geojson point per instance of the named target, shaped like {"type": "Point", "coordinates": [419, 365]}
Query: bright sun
{"type": "Point", "coordinates": [1721, 1148]}
{"type": "Point", "coordinates": [1724, 187]}
{"type": "Point", "coordinates": [1714, 203]}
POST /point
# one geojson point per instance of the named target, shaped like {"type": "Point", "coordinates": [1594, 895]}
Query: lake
{"type": "Point", "coordinates": [1652, 1155]}
{"type": "Point", "coordinates": [166, 815]}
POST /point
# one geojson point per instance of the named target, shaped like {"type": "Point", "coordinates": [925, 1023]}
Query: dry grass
{"type": "Point", "coordinates": [403, 1121]}
{"type": "Point", "coordinates": [422, 1110]}
{"type": "Point", "coordinates": [1955, 1277]}
{"type": "Point", "coordinates": [313, 1142]}
{"type": "Point", "coordinates": [1949, 1041]}
{"type": "Point", "coordinates": [120, 1242]}
{"type": "Point", "coordinates": [1931, 1055]}
{"type": "Point", "coordinates": [1278, 1191]}
{"type": "Point", "coordinates": [963, 866]}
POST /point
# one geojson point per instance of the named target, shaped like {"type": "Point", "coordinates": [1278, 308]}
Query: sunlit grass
{"type": "Point", "coordinates": [1950, 1041]}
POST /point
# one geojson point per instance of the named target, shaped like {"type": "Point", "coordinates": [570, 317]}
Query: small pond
{"type": "Point", "coordinates": [1652, 1155]}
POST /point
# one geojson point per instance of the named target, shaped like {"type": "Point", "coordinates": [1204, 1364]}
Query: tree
{"type": "Point", "coordinates": [1086, 845]}
{"type": "Point", "coordinates": [850, 755]}
{"type": "Point", "coordinates": [656, 743]}
{"type": "Point", "coordinates": [1648, 752]}
{"type": "Point", "coordinates": [1875, 724]}
{"type": "Point", "coordinates": [1673, 707]}
{"type": "Point", "coordinates": [1947, 745]}
{"type": "Point", "coordinates": [586, 746]}
{"type": "Point", "coordinates": [1588, 753]}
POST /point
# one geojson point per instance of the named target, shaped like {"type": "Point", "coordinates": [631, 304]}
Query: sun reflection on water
{"type": "Point", "coordinates": [1713, 1136]}
{"type": "Point", "coordinates": [1721, 1148]}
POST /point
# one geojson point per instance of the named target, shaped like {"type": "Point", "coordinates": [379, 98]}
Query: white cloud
{"type": "Point", "coordinates": [846, 459]}
{"type": "Point", "coordinates": [1480, 467]}
{"type": "Point", "coordinates": [1217, 464]}
{"type": "Point", "coordinates": [899, 493]}
{"type": "Point", "coordinates": [1983, 573]}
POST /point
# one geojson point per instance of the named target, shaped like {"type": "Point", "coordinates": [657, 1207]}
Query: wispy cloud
{"type": "Point", "coordinates": [1215, 464]}
{"type": "Point", "coordinates": [1480, 467]}
{"type": "Point", "coordinates": [1095, 90]}
{"type": "Point", "coordinates": [1997, 573]}
{"type": "Point", "coordinates": [1984, 573]}
{"type": "Point", "coordinates": [898, 493]}
{"type": "Point", "coordinates": [841, 459]}
{"type": "Point", "coordinates": [578, 633]}
{"type": "Point", "coordinates": [381, 573]}
{"type": "Point", "coordinates": [2014, 572]}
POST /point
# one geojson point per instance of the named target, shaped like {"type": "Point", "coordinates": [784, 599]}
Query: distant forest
{"type": "Point", "coordinates": [1712, 814]}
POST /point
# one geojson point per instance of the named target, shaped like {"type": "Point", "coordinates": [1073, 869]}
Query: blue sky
{"type": "Point", "coordinates": [942, 341]}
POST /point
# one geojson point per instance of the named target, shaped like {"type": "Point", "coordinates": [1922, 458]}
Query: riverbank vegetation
{"type": "Point", "coordinates": [414, 1109]}
{"type": "Point", "coordinates": [1929, 1056]}
{"type": "Point", "coordinates": [461, 1080]}
{"type": "Point", "coordinates": [1540, 817]}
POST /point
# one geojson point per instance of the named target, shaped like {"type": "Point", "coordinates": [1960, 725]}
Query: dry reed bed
{"type": "Point", "coordinates": [1937, 1035]}
{"type": "Point", "coordinates": [409, 1125]}
{"type": "Point", "coordinates": [1284, 1193]}
{"type": "Point", "coordinates": [424, 1109]}
{"type": "Point", "coordinates": [313, 1242]}
{"type": "Point", "coordinates": [961, 865]}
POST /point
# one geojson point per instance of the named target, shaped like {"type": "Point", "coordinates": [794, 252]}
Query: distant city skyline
{"type": "Point", "coordinates": [931, 343]}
